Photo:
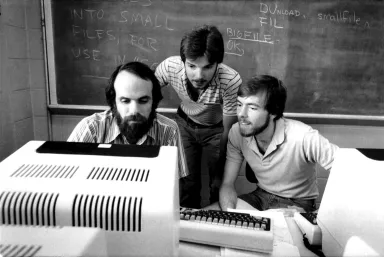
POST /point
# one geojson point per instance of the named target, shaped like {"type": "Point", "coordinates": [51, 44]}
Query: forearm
{"type": "Point", "coordinates": [227, 197]}
{"type": "Point", "coordinates": [228, 121]}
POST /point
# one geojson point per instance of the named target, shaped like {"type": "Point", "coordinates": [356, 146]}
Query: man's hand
{"type": "Point", "coordinates": [228, 197]}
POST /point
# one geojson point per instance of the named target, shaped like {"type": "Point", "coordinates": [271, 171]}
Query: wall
{"type": "Point", "coordinates": [23, 105]}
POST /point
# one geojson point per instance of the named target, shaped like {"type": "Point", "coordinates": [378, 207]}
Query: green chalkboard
{"type": "Point", "coordinates": [330, 54]}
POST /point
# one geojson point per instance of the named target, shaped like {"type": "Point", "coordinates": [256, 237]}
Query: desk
{"type": "Point", "coordinates": [187, 249]}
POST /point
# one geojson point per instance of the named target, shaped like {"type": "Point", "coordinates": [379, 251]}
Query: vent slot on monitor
{"type": "Point", "coordinates": [28, 208]}
{"type": "Point", "coordinates": [8, 250]}
{"type": "Point", "coordinates": [45, 171]}
{"type": "Point", "coordinates": [119, 174]}
{"type": "Point", "coordinates": [114, 213]}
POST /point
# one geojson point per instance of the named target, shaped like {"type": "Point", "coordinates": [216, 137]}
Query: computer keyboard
{"type": "Point", "coordinates": [226, 229]}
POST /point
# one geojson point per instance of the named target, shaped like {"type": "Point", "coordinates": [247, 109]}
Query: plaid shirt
{"type": "Point", "coordinates": [102, 128]}
{"type": "Point", "coordinates": [219, 98]}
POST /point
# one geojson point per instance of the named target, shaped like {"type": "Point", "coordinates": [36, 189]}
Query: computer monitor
{"type": "Point", "coordinates": [351, 214]}
{"type": "Point", "coordinates": [129, 192]}
{"type": "Point", "coordinates": [37, 241]}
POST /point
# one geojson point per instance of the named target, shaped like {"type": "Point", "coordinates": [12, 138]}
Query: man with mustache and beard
{"type": "Point", "coordinates": [133, 94]}
{"type": "Point", "coordinates": [207, 90]}
{"type": "Point", "coordinates": [282, 152]}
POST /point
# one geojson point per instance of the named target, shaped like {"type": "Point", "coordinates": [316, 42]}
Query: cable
{"type": "Point", "coordinates": [315, 249]}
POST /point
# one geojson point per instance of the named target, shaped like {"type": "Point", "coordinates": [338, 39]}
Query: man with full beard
{"type": "Point", "coordinates": [282, 152]}
{"type": "Point", "coordinates": [133, 94]}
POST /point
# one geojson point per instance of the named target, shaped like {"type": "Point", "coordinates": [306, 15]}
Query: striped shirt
{"type": "Point", "coordinates": [217, 100]}
{"type": "Point", "coordinates": [102, 128]}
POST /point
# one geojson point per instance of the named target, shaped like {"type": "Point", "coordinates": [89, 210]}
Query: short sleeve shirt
{"type": "Point", "coordinates": [217, 100]}
{"type": "Point", "coordinates": [288, 167]}
{"type": "Point", "coordinates": [102, 128]}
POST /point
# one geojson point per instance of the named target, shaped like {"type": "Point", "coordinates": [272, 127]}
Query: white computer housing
{"type": "Point", "coordinates": [38, 241]}
{"type": "Point", "coordinates": [351, 214]}
{"type": "Point", "coordinates": [111, 205]}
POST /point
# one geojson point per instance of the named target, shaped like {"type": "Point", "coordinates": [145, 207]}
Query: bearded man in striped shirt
{"type": "Point", "coordinates": [207, 89]}
{"type": "Point", "coordinates": [133, 94]}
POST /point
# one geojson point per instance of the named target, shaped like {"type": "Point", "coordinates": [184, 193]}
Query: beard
{"type": "Point", "coordinates": [254, 130]}
{"type": "Point", "coordinates": [134, 127]}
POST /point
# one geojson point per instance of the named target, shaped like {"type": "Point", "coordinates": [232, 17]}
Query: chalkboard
{"type": "Point", "coordinates": [330, 54]}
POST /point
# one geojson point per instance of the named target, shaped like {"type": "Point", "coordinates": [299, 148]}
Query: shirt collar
{"type": "Point", "coordinates": [152, 131]}
{"type": "Point", "coordinates": [114, 132]}
{"type": "Point", "coordinates": [279, 135]}
{"type": "Point", "coordinates": [215, 81]}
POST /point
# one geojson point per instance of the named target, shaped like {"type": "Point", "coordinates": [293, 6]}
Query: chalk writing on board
{"type": "Point", "coordinates": [321, 49]}
{"type": "Point", "coordinates": [276, 9]}
{"type": "Point", "coordinates": [343, 17]}
{"type": "Point", "coordinates": [233, 45]}
{"type": "Point", "coordinates": [155, 21]}
{"type": "Point", "coordinates": [248, 36]}
{"type": "Point", "coordinates": [145, 44]}
{"type": "Point", "coordinates": [268, 17]}
{"type": "Point", "coordinates": [87, 13]}
{"type": "Point", "coordinates": [97, 34]}
{"type": "Point", "coordinates": [86, 53]}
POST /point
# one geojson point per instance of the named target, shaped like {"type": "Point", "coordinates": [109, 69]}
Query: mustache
{"type": "Point", "coordinates": [244, 120]}
{"type": "Point", "coordinates": [136, 117]}
{"type": "Point", "coordinates": [199, 80]}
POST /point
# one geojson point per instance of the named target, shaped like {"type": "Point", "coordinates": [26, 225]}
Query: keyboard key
{"type": "Point", "coordinates": [264, 226]}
